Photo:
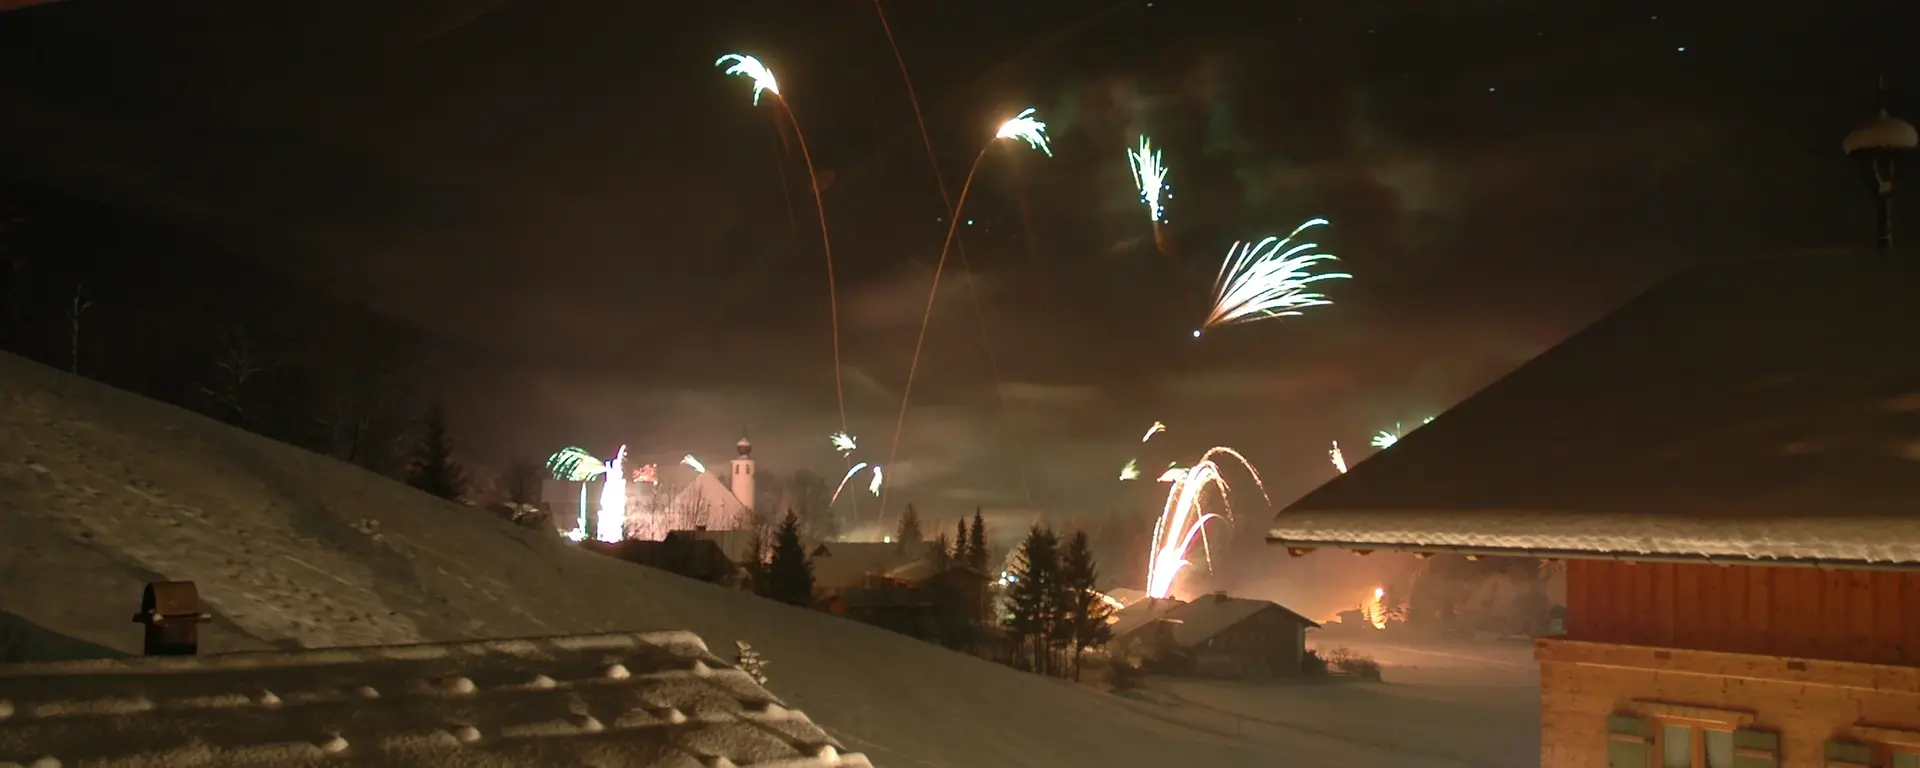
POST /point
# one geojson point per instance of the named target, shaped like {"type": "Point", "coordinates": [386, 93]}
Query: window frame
{"type": "Point", "coordinates": [1884, 752]}
{"type": "Point", "coordinates": [1657, 753]}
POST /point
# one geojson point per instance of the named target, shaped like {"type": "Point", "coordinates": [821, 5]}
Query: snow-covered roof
{"type": "Point", "coordinates": [1140, 614]}
{"type": "Point", "coordinates": [1768, 410]}
{"type": "Point", "coordinates": [705, 499]}
{"type": "Point", "coordinates": [1209, 615]}
{"type": "Point", "coordinates": [647, 699]}
{"type": "Point", "coordinates": [841, 564]}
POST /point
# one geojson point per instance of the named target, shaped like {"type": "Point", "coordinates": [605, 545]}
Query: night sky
{"type": "Point", "coordinates": [573, 185]}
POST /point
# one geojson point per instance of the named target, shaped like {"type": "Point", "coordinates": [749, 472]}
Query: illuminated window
{"type": "Point", "coordinates": [1683, 744]}
{"type": "Point", "coordinates": [1904, 759]}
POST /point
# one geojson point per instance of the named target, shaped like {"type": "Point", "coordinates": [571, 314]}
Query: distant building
{"type": "Point", "coordinates": [1733, 489]}
{"type": "Point", "coordinates": [647, 700]}
{"type": "Point", "coordinates": [1216, 636]}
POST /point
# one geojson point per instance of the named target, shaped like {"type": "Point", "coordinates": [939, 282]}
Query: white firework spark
{"type": "Point", "coordinates": [1268, 279]}
{"type": "Point", "coordinates": [1150, 175]}
{"type": "Point", "coordinates": [843, 442]}
{"type": "Point", "coordinates": [1027, 128]}
{"type": "Point", "coordinates": [752, 69]}
{"type": "Point", "coordinates": [693, 463]}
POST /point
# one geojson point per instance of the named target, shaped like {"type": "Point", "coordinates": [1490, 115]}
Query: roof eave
{"type": "Point", "coordinates": [1298, 547]}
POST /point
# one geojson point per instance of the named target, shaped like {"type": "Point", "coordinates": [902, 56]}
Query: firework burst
{"type": "Point", "coordinates": [1131, 471]}
{"type": "Point", "coordinates": [1268, 279]}
{"type": "Point", "coordinates": [1150, 176]}
{"type": "Point", "coordinates": [692, 463]}
{"type": "Point", "coordinates": [749, 67]}
{"type": "Point", "coordinates": [1157, 428]}
{"type": "Point", "coordinates": [1027, 128]}
{"type": "Point", "coordinates": [851, 471]}
{"type": "Point", "coordinates": [763, 82]}
{"type": "Point", "coordinates": [843, 442]}
{"type": "Point", "coordinates": [1024, 127]}
{"type": "Point", "coordinates": [1183, 520]}
{"type": "Point", "coordinates": [1338, 458]}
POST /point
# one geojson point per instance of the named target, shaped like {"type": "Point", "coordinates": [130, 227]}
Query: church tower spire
{"type": "Point", "coordinates": [742, 480]}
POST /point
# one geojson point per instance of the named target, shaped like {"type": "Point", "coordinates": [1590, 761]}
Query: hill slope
{"type": "Point", "coordinates": [102, 491]}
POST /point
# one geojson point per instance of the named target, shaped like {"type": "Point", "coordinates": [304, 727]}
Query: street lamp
{"type": "Point", "coordinates": [1877, 145]}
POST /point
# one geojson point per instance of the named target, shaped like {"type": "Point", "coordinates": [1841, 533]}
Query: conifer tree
{"type": "Point", "coordinates": [789, 572]}
{"type": "Point", "coordinates": [942, 552]}
{"type": "Point", "coordinates": [433, 468]}
{"type": "Point", "coordinates": [909, 533]}
{"type": "Point", "coordinates": [977, 543]}
{"type": "Point", "coordinates": [1034, 608]}
{"type": "Point", "coordinates": [960, 542]}
{"type": "Point", "coordinates": [1086, 614]}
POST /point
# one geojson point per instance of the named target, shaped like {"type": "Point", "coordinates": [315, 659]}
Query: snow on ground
{"type": "Point", "coordinates": [102, 491]}
{"type": "Point", "coordinates": [1447, 706]}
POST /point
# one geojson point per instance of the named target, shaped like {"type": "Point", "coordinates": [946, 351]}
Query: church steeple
{"type": "Point", "coordinates": [742, 479]}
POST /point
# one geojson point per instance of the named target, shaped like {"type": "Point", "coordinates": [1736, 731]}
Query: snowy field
{"type": "Point", "coordinates": [1441, 706]}
{"type": "Point", "coordinates": [102, 492]}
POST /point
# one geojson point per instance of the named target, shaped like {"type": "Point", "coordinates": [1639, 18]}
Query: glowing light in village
{"type": "Point", "coordinates": [1131, 471]}
{"type": "Point", "coordinates": [1339, 459]}
{"type": "Point", "coordinates": [1268, 279]}
{"type": "Point", "coordinates": [1183, 519]}
{"type": "Point", "coordinates": [1157, 428]}
{"type": "Point", "coordinates": [1149, 175]}
{"type": "Point", "coordinates": [1374, 610]}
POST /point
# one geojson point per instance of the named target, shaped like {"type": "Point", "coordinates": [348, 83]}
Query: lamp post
{"type": "Point", "coordinates": [1877, 145]}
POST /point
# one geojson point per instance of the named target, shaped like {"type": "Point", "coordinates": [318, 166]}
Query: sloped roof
{"type": "Point", "coordinates": [1209, 615]}
{"type": "Point", "coordinates": [1140, 614]}
{"type": "Point", "coordinates": [710, 502]}
{"type": "Point", "coordinates": [649, 699]}
{"type": "Point", "coordinates": [735, 543]}
{"type": "Point", "coordinates": [839, 564]}
{"type": "Point", "coordinates": [1766, 410]}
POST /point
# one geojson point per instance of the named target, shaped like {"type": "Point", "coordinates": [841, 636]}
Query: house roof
{"type": "Point", "coordinates": [1767, 410]}
{"type": "Point", "coordinates": [736, 544]}
{"type": "Point", "coordinates": [1140, 614]}
{"type": "Point", "coordinates": [840, 564]}
{"type": "Point", "coordinates": [650, 699]}
{"type": "Point", "coordinates": [1209, 615]}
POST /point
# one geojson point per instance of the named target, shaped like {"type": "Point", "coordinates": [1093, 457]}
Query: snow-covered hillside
{"type": "Point", "coordinates": [102, 491]}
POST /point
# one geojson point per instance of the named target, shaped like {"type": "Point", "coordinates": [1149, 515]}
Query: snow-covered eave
{"type": "Point", "coordinates": [1826, 543]}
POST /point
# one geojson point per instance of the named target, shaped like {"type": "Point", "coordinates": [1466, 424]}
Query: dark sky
{"type": "Point", "coordinates": [573, 183]}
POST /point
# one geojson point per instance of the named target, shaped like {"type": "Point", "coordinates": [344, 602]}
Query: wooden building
{"type": "Point", "coordinates": [1216, 636]}
{"type": "Point", "coordinates": [1729, 466]}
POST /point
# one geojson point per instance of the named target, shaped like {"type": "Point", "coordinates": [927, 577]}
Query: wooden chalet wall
{"type": "Point", "coordinates": [1864, 616]}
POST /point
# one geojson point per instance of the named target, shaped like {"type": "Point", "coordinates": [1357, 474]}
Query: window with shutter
{"type": "Point", "coordinates": [1849, 754]}
{"type": "Point", "coordinates": [1628, 743]}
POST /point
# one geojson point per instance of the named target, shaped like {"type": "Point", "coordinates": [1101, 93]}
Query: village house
{"type": "Point", "coordinates": [652, 699]}
{"type": "Point", "coordinates": [1214, 636]}
{"type": "Point", "coordinates": [1729, 467]}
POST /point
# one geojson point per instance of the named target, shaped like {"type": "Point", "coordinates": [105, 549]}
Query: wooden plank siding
{"type": "Point", "coordinates": [1864, 616]}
